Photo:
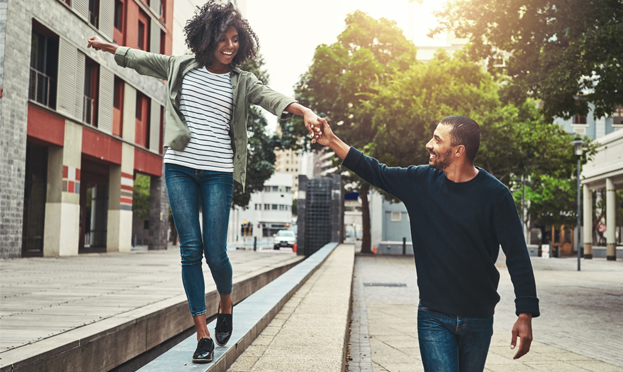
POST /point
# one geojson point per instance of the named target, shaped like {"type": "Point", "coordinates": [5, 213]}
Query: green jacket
{"type": "Point", "coordinates": [246, 87]}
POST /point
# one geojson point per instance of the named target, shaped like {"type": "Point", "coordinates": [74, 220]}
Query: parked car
{"type": "Point", "coordinates": [284, 238]}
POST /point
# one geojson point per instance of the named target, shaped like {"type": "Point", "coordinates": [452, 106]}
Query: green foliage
{"type": "Point", "coordinates": [556, 50]}
{"type": "Point", "coordinates": [140, 196]}
{"type": "Point", "coordinates": [552, 201]}
{"type": "Point", "coordinates": [515, 140]}
{"type": "Point", "coordinates": [345, 73]}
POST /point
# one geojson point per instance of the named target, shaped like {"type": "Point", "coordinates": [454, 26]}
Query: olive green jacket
{"type": "Point", "coordinates": [246, 87]}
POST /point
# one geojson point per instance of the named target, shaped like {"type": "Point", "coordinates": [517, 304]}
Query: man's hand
{"type": "Point", "coordinates": [523, 330]}
{"type": "Point", "coordinates": [327, 138]}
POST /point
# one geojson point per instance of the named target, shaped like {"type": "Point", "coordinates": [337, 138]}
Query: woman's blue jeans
{"type": "Point", "coordinates": [187, 187]}
{"type": "Point", "coordinates": [449, 343]}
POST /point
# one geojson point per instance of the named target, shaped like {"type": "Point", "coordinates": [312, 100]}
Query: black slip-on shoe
{"type": "Point", "coordinates": [204, 352]}
{"type": "Point", "coordinates": [224, 327]}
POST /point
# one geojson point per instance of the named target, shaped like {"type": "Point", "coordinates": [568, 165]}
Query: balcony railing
{"type": "Point", "coordinates": [39, 87]}
{"type": "Point", "coordinates": [87, 112]}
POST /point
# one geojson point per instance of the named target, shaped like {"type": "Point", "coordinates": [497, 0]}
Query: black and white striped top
{"type": "Point", "coordinates": [206, 102]}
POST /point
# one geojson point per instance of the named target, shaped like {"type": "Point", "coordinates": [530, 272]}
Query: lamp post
{"type": "Point", "coordinates": [578, 153]}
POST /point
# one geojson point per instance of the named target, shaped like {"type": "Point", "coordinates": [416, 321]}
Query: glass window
{"type": "Point", "coordinates": [266, 207]}
{"type": "Point", "coordinates": [275, 188]}
{"type": "Point", "coordinates": [274, 207]}
{"type": "Point", "coordinates": [118, 15]}
{"type": "Point", "coordinates": [618, 115]}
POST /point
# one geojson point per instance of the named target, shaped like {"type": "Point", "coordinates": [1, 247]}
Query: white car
{"type": "Point", "coordinates": [285, 238]}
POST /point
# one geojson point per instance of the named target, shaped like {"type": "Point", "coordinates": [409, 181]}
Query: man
{"type": "Point", "coordinates": [459, 216]}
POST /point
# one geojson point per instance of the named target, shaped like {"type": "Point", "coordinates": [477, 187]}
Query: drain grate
{"type": "Point", "coordinates": [384, 285]}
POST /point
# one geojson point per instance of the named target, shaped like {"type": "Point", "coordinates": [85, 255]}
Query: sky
{"type": "Point", "coordinates": [290, 30]}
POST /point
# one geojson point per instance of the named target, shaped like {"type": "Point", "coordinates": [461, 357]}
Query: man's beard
{"type": "Point", "coordinates": [441, 162]}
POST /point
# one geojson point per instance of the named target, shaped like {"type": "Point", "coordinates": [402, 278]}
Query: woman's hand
{"type": "Point", "coordinates": [98, 44]}
{"type": "Point", "coordinates": [311, 120]}
{"type": "Point", "coordinates": [313, 124]}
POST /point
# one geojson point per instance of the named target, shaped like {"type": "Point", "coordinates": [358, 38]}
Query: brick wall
{"type": "Point", "coordinates": [16, 55]}
{"type": "Point", "coordinates": [15, 41]}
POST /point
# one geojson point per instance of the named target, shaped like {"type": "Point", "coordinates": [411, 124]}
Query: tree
{"type": "Point", "coordinates": [515, 140]}
{"type": "Point", "coordinates": [140, 196]}
{"type": "Point", "coordinates": [340, 80]}
{"type": "Point", "coordinates": [261, 147]}
{"type": "Point", "coordinates": [555, 50]}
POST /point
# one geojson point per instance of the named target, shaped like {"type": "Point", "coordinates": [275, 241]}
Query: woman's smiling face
{"type": "Point", "coordinates": [227, 46]}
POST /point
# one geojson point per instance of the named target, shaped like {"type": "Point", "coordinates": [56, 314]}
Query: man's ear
{"type": "Point", "coordinates": [460, 150]}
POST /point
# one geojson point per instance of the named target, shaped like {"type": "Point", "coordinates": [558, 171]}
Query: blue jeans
{"type": "Point", "coordinates": [449, 343]}
{"type": "Point", "coordinates": [187, 187]}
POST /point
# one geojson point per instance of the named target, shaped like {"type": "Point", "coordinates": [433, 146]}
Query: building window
{"type": "Point", "coordinates": [266, 207]}
{"type": "Point", "coordinates": [274, 207]}
{"type": "Point", "coordinates": [617, 117]}
{"type": "Point", "coordinates": [258, 207]}
{"type": "Point", "coordinates": [91, 79]}
{"type": "Point", "coordinates": [94, 6]}
{"type": "Point", "coordinates": [117, 120]}
{"type": "Point", "coordinates": [396, 216]}
{"type": "Point", "coordinates": [43, 66]}
{"type": "Point", "coordinates": [119, 15]}
{"type": "Point", "coordinates": [163, 9]}
{"type": "Point", "coordinates": [275, 188]}
{"type": "Point", "coordinates": [266, 188]}
{"type": "Point", "coordinates": [163, 38]}
{"type": "Point", "coordinates": [579, 119]}
{"type": "Point", "coordinates": [141, 134]}
{"type": "Point", "coordinates": [288, 189]}
{"type": "Point", "coordinates": [141, 35]}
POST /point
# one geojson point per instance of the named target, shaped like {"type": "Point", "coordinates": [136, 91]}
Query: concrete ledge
{"type": "Point", "coordinates": [111, 342]}
{"type": "Point", "coordinates": [251, 316]}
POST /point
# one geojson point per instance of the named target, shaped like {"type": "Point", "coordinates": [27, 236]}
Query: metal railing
{"type": "Point", "coordinates": [39, 87]}
{"type": "Point", "coordinates": [87, 112]}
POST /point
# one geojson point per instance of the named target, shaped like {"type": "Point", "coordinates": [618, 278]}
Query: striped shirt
{"type": "Point", "coordinates": [206, 103]}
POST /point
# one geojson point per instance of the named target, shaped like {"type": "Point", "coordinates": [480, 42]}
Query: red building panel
{"type": "Point", "coordinates": [148, 163]}
{"type": "Point", "coordinates": [101, 146]}
{"type": "Point", "coordinates": [45, 126]}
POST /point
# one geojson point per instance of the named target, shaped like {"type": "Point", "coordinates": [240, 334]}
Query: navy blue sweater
{"type": "Point", "coordinates": [457, 229]}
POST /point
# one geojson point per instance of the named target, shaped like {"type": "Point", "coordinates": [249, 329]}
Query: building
{"type": "Point", "coordinates": [605, 171]}
{"type": "Point", "coordinates": [288, 162]}
{"type": "Point", "coordinates": [76, 128]}
{"type": "Point", "coordinates": [593, 128]}
{"type": "Point", "coordinates": [268, 211]}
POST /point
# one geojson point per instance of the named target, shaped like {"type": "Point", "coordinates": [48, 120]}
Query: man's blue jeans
{"type": "Point", "coordinates": [187, 187]}
{"type": "Point", "coordinates": [449, 343]}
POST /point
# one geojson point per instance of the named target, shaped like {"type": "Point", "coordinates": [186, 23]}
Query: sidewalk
{"type": "Point", "coordinates": [579, 329]}
{"type": "Point", "coordinates": [54, 305]}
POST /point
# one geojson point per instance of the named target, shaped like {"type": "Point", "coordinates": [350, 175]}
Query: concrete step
{"type": "Point", "coordinates": [251, 317]}
{"type": "Point", "coordinates": [96, 312]}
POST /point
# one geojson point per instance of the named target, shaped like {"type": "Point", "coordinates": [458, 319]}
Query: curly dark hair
{"type": "Point", "coordinates": [209, 23]}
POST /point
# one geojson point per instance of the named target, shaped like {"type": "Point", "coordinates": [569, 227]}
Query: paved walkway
{"type": "Point", "coordinates": [46, 297]}
{"type": "Point", "coordinates": [579, 329]}
{"type": "Point", "coordinates": [309, 333]}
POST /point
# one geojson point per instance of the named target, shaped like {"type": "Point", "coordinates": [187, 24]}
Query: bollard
{"type": "Point", "coordinates": [550, 249]}
{"type": "Point", "coordinates": [404, 246]}
{"type": "Point", "coordinates": [134, 241]}
{"type": "Point", "coordinates": [254, 243]}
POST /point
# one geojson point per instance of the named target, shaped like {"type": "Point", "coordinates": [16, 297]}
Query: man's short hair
{"type": "Point", "coordinates": [466, 132]}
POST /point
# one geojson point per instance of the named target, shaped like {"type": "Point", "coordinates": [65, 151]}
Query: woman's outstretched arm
{"type": "Point", "coordinates": [145, 63]}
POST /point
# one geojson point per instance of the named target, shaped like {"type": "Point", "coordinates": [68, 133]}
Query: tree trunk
{"type": "Point", "coordinates": [365, 217]}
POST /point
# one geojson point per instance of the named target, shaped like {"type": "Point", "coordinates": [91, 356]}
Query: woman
{"type": "Point", "coordinates": [206, 145]}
